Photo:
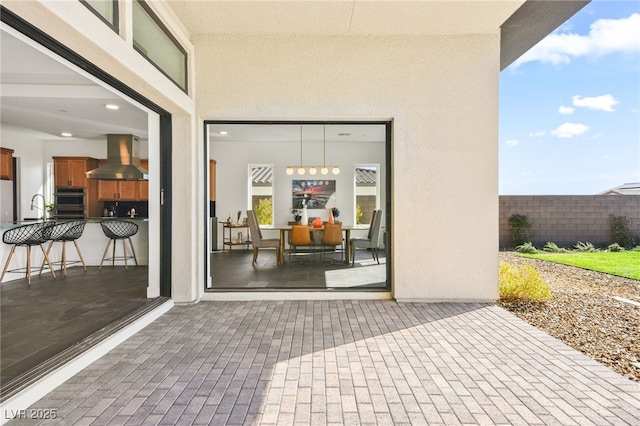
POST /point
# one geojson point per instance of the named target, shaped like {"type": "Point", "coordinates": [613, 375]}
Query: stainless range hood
{"type": "Point", "coordinates": [123, 160]}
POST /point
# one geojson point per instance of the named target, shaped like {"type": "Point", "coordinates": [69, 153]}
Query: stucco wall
{"type": "Point", "coordinates": [441, 93]}
{"type": "Point", "coordinates": [567, 219]}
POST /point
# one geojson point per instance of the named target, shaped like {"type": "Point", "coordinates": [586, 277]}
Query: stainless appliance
{"type": "Point", "coordinates": [123, 160]}
{"type": "Point", "coordinates": [69, 204]}
{"type": "Point", "coordinates": [6, 201]}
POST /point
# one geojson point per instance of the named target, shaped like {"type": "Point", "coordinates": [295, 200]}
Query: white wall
{"type": "Point", "coordinates": [232, 174]}
{"type": "Point", "coordinates": [27, 146]}
{"type": "Point", "coordinates": [442, 94]}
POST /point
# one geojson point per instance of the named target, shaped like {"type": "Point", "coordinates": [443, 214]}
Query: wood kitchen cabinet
{"type": "Point", "coordinates": [70, 172]}
{"type": "Point", "coordinates": [6, 164]}
{"type": "Point", "coordinates": [143, 185]}
{"type": "Point", "coordinates": [212, 180]}
{"type": "Point", "coordinates": [123, 190]}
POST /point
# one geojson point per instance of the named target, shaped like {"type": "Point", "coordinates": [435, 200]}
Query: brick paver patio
{"type": "Point", "coordinates": [343, 362]}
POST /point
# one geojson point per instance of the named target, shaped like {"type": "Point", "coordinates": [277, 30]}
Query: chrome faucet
{"type": "Point", "coordinates": [44, 202]}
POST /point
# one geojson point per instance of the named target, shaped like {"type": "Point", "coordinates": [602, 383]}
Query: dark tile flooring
{"type": "Point", "coordinates": [234, 271]}
{"type": "Point", "coordinates": [52, 315]}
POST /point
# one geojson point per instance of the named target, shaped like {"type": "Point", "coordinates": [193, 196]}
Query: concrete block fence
{"type": "Point", "coordinates": [567, 219]}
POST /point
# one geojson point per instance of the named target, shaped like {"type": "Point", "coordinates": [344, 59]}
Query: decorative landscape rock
{"type": "Point", "coordinates": [583, 313]}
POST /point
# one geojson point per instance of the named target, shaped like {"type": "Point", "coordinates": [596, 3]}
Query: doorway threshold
{"type": "Point", "coordinates": [279, 294]}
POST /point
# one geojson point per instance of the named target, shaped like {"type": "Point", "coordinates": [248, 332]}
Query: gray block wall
{"type": "Point", "coordinates": [567, 219]}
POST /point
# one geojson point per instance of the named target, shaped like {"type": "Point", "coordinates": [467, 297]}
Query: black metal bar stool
{"type": "Point", "coordinates": [63, 232]}
{"type": "Point", "coordinates": [116, 229]}
{"type": "Point", "coordinates": [27, 236]}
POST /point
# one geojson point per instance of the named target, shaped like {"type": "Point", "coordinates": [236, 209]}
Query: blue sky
{"type": "Point", "coordinates": [569, 107]}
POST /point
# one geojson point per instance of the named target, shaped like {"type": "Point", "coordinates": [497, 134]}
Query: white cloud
{"type": "Point", "coordinates": [569, 130]}
{"type": "Point", "coordinates": [600, 103]}
{"type": "Point", "coordinates": [566, 110]}
{"type": "Point", "coordinates": [513, 142]}
{"type": "Point", "coordinates": [539, 134]}
{"type": "Point", "coordinates": [599, 135]}
{"type": "Point", "coordinates": [605, 36]}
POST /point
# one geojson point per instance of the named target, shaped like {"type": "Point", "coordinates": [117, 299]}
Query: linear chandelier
{"type": "Point", "coordinates": [324, 169]}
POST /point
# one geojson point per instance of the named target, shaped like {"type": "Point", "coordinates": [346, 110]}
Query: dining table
{"type": "Point", "coordinates": [345, 228]}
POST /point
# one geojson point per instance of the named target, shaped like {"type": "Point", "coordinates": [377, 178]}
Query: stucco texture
{"type": "Point", "coordinates": [442, 95]}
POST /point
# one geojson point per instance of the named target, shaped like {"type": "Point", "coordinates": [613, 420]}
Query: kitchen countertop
{"type": "Point", "coordinates": [10, 225]}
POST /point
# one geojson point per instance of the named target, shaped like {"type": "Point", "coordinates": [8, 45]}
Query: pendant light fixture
{"type": "Point", "coordinates": [313, 170]}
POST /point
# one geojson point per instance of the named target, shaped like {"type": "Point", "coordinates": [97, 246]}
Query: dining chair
{"type": "Point", "coordinates": [332, 237]}
{"type": "Point", "coordinates": [372, 240]}
{"type": "Point", "coordinates": [300, 237]}
{"type": "Point", "coordinates": [256, 238]}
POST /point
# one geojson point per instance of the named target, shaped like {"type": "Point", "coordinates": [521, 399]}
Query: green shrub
{"type": "Point", "coordinates": [519, 225]}
{"type": "Point", "coordinates": [264, 211]}
{"type": "Point", "coordinates": [527, 248]}
{"type": "Point", "coordinates": [522, 283]}
{"type": "Point", "coordinates": [636, 248]}
{"type": "Point", "coordinates": [580, 246]}
{"type": "Point", "coordinates": [358, 214]}
{"type": "Point", "coordinates": [553, 248]}
{"type": "Point", "coordinates": [615, 247]}
{"type": "Point", "coordinates": [622, 231]}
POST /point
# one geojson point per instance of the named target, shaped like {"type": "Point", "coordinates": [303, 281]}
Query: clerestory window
{"type": "Point", "coordinates": [156, 43]}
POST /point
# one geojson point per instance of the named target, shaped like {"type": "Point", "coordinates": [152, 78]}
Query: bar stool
{"type": "Point", "coordinates": [27, 236]}
{"type": "Point", "coordinates": [62, 232]}
{"type": "Point", "coordinates": [115, 229]}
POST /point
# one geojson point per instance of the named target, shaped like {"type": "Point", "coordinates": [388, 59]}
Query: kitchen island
{"type": "Point", "coordinates": [92, 244]}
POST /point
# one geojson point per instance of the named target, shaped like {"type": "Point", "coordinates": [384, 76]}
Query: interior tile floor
{"type": "Point", "coordinates": [342, 362]}
{"type": "Point", "coordinates": [232, 270]}
{"type": "Point", "coordinates": [51, 315]}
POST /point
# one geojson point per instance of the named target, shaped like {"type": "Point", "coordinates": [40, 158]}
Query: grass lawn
{"type": "Point", "coordinates": [623, 264]}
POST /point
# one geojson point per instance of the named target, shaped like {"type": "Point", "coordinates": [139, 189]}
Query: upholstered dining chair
{"type": "Point", "coordinates": [256, 238]}
{"type": "Point", "coordinates": [300, 237]}
{"type": "Point", "coordinates": [332, 237]}
{"type": "Point", "coordinates": [371, 242]}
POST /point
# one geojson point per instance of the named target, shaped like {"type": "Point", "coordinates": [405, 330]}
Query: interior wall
{"type": "Point", "coordinates": [28, 148]}
{"type": "Point", "coordinates": [442, 94]}
{"type": "Point", "coordinates": [232, 174]}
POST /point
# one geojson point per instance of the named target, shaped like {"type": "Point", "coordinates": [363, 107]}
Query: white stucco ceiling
{"type": "Point", "coordinates": [343, 17]}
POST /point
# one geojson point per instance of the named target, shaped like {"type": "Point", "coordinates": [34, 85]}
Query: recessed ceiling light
{"type": "Point", "coordinates": [223, 132]}
{"type": "Point", "coordinates": [66, 134]}
{"type": "Point", "coordinates": [112, 106]}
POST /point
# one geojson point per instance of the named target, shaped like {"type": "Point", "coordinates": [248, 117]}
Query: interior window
{"type": "Point", "coordinates": [367, 192]}
{"type": "Point", "coordinates": [261, 192]}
